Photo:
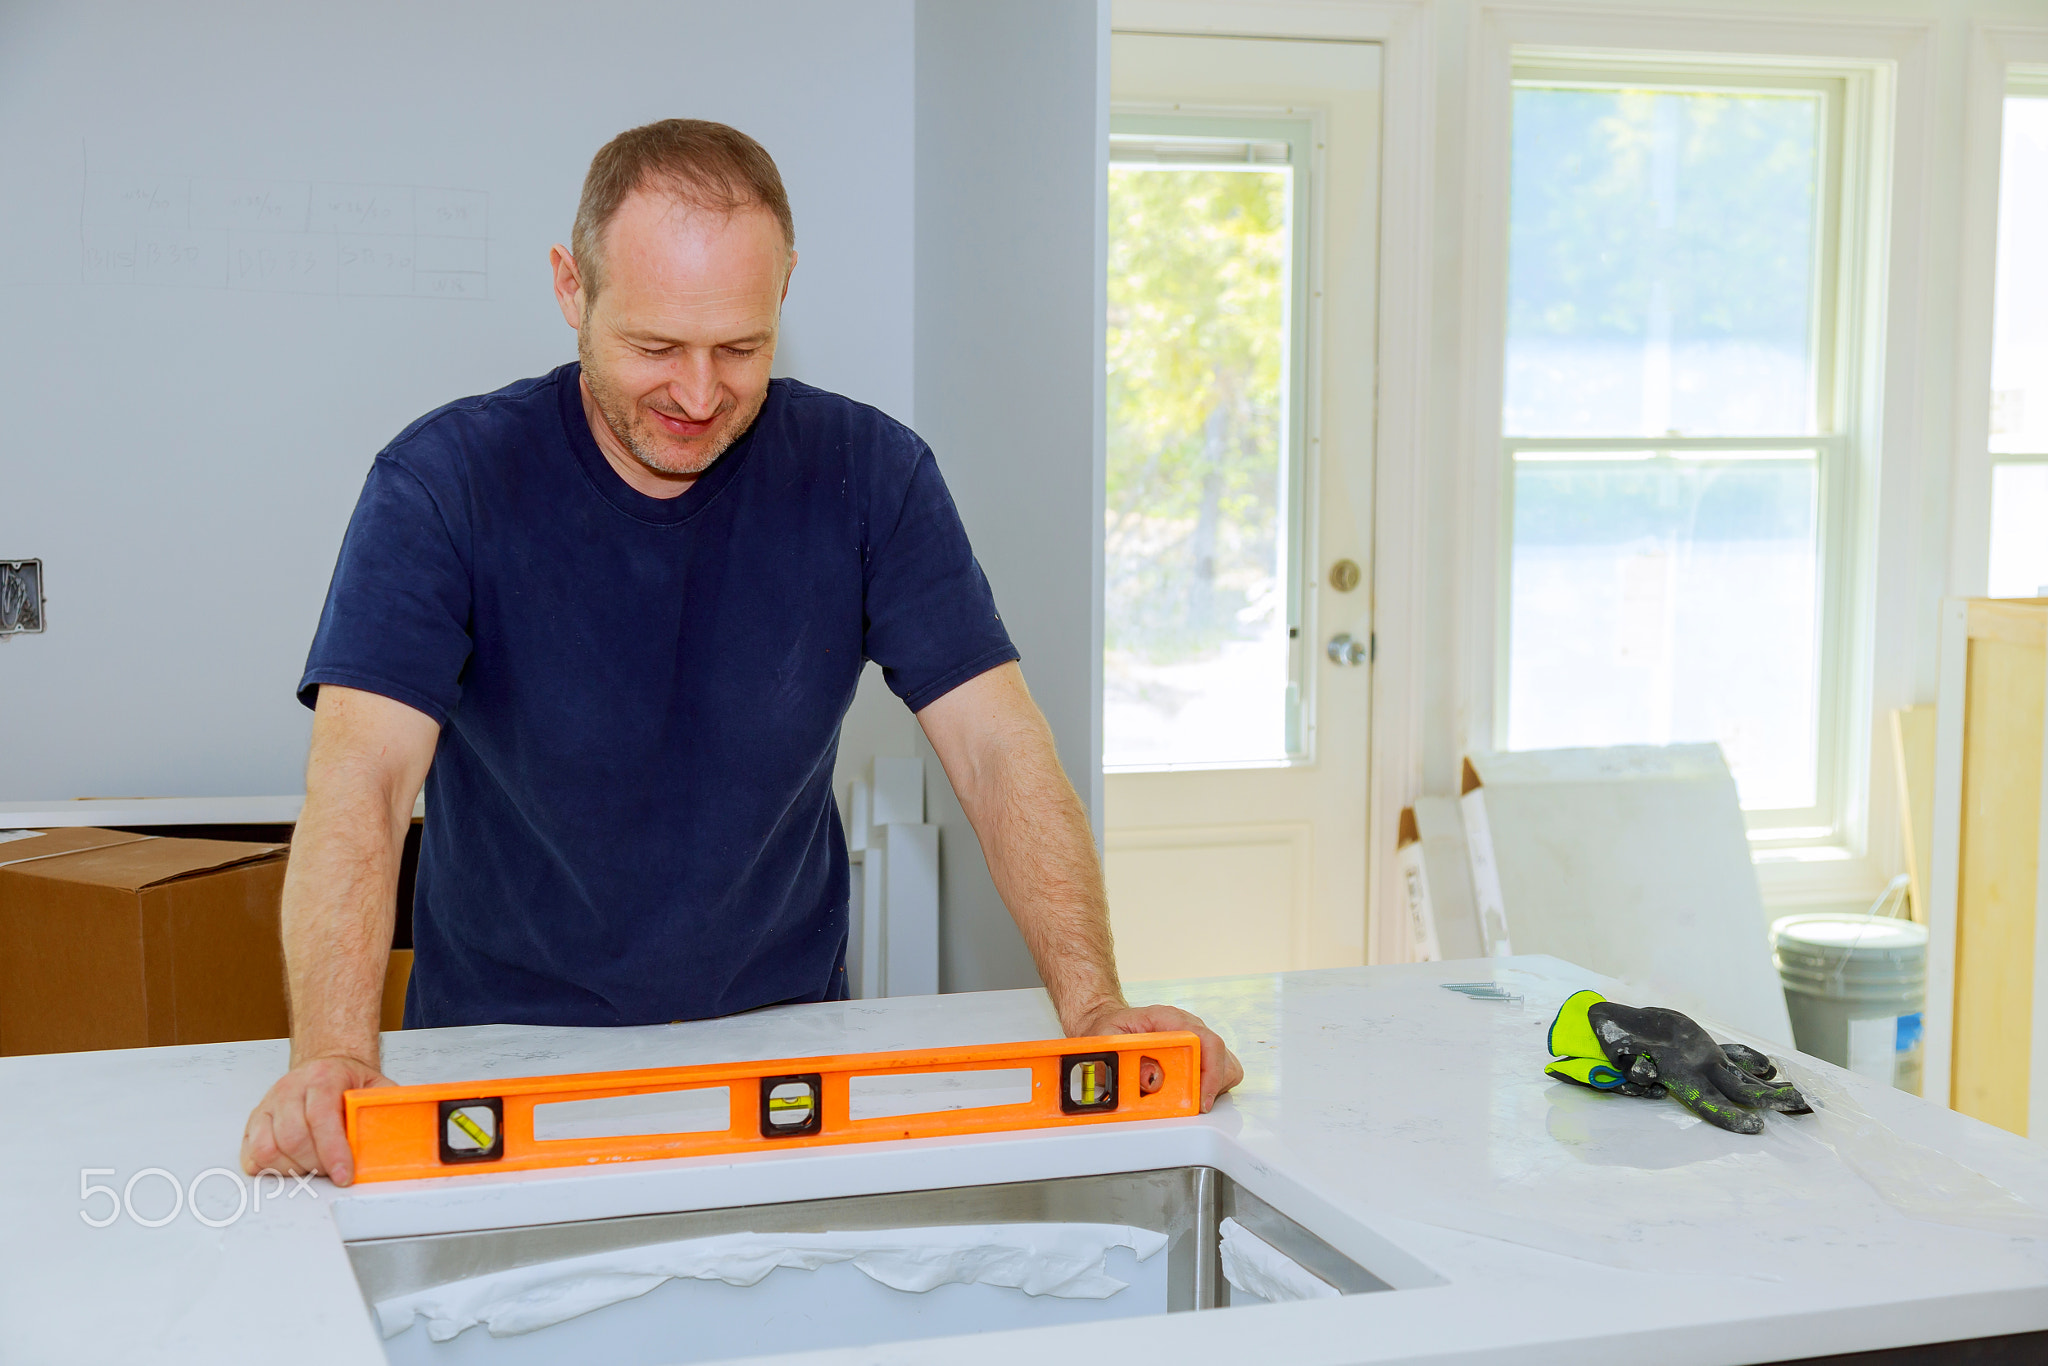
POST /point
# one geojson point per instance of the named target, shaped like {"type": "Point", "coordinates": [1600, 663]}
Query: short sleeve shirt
{"type": "Point", "coordinates": [629, 817]}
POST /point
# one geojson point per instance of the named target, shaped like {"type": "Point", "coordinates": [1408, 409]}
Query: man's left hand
{"type": "Point", "coordinates": [999, 755]}
{"type": "Point", "coordinates": [1220, 1068]}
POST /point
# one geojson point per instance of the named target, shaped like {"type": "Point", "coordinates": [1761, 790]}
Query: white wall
{"type": "Point", "coordinates": [184, 458]}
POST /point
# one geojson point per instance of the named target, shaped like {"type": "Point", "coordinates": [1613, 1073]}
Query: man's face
{"type": "Point", "coordinates": [676, 349]}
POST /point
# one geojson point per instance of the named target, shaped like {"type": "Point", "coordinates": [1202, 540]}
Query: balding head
{"type": "Point", "coordinates": [698, 164]}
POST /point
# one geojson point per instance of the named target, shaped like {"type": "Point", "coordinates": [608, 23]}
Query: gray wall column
{"type": "Point", "coordinates": [1012, 118]}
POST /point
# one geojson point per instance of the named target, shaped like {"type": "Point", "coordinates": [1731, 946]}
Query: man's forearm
{"type": "Point", "coordinates": [1041, 853]}
{"type": "Point", "coordinates": [340, 893]}
{"type": "Point", "coordinates": [369, 756]}
{"type": "Point", "coordinates": [1035, 836]}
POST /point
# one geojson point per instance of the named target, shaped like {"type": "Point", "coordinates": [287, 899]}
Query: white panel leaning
{"type": "Point", "coordinates": [893, 930]}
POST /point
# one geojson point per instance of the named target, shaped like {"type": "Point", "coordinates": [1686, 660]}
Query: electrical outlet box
{"type": "Point", "coordinates": [21, 596]}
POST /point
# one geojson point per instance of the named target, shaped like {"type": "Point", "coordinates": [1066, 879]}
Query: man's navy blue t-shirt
{"type": "Point", "coordinates": [629, 818]}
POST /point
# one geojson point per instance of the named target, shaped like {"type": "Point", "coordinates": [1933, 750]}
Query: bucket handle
{"type": "Point", "coordinates": [1890, 905]}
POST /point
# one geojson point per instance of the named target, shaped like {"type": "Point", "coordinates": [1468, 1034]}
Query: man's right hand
{"type": "Point", "coordinates": [297, 1129]}
{"type": "Point", "coordinates": [369, 756]}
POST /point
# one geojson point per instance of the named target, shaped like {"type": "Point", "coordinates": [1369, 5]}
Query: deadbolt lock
{"type": "Point", "coordinates": [1344, 575]}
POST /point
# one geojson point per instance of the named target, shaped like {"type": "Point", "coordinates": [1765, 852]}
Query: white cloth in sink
{"type": "Point", "coordinates": [1065, 1260]}
{"type": "Point", "coordinates": [1255, 1266]}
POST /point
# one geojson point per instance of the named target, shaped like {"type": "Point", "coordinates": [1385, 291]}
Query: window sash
{"type": "Point", "coordinates": [1824, 323]}
{"type": "Point", "coordinates": [2021, 83]}
{"type": "Point", "coordinates": [2026, 86]}
{"type": "Point", "coordinates": [1992, 541]}
{"type": "Point", "coordinates": [1827, 822]}
{"type": "Point", "coordinates": [1769, 827]}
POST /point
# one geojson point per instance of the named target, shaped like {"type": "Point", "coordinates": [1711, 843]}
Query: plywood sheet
{"type": "Point", "coordinates": [1913, 764]}
{"type": "Point", "coordinates": [2000, 866]}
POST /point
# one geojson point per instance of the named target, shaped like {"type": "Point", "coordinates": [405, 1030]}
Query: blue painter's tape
{"type": "Point", "coordinates": [1910, 1029]}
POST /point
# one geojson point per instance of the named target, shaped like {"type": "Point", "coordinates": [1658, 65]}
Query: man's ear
{"type": "Point", "coordinates": [785, 277]}
{"type": "Point", "coordinates": [569, 285]}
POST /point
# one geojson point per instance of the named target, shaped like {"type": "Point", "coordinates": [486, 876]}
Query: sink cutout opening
{"type": "Point", "coordinates": [701, 1110]}
{"type": "Point", "coordinates": [924, 1093]}
{"type": "Point", "coordinates": [856, 1271]}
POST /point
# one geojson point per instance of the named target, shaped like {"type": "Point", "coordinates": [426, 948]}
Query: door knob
{"type": "Point", "coordinates": [1342, 649]}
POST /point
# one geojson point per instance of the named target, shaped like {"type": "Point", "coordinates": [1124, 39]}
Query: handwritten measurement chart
{"type": "Point", "coordinates": [290, 237]}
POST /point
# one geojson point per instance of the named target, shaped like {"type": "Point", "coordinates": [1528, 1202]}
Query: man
{"type": "Point", "coordinates": [612, 618]}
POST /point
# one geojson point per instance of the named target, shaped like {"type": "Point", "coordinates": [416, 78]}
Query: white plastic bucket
{"type": "Point", "coordinates": [1855, 986]}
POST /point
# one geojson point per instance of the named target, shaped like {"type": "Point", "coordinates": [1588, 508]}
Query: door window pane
{"type": "Point", "coordinates": [1659, 600]}
{"type": "Point", "coordinates": [1661, 263]}
{"type": "Point", "coordinates": [2019, 531]}
{"type": "Point", "coordinates": [1196, 666]}
{"type": "Point", "coordinates": [2019, 347]}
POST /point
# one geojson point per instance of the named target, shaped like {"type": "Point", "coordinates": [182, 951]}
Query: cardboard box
{"type": "Point", "coordinates": [397, 974]}
{"type": "Point", "coordinates": [117, 940]}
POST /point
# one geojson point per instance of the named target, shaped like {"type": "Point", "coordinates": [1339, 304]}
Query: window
{"type": "Point", "coordinates": [1202, 583]}
{"type": "Point", "coordinates": [1673, 419]}
{"type": "Point", "coordinates": [2019, 352]}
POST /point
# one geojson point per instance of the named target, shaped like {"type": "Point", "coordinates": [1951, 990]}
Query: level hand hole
{"type": "Point", "coordinates": [699, 1111]}
{"type": "Point", "coordinates": [920, 1093]}
{"type": "Point", "coordinates": [1151, 1076]}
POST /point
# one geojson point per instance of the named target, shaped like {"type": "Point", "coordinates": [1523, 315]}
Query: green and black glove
{"type": "Point", "coordinates": [1645, 1051]}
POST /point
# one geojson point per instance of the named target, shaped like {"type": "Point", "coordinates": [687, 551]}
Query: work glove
{"type": "Point", "coordinates": [1645, 1051]}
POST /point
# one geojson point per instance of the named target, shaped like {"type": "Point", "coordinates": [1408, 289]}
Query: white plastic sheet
{"type": "Point", "coordinates": [1912, 1178]}
{"type": "Point", "coordinates": [1064, 1260]}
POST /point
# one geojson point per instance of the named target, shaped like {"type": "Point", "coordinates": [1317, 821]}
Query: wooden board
{"type": "Point", "coordinates": [1997, 861]}
{"type": "Point", "coordinates": [1913, 762]}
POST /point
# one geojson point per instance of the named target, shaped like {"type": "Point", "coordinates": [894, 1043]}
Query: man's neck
{"type": "Point", "coordinates": [641, 479]}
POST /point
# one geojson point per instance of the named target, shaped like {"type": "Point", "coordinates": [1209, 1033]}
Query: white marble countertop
{"type": "Point", "coordinates": [69, 811]}
{"type": "Point", "coordinates": [1533, 1222]}
{"type": "Point", "coordinates": [151, 811]}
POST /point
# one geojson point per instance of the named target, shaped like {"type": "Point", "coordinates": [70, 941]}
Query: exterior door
{"type": "Point", "coordinates": [1243, 190]}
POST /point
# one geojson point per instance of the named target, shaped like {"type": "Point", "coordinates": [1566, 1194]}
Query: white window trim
{"type": "Point", "coordinates": [1776, 835]}
{"type": "Point", "coordinates": [1891, 65]}
{"type": "Point", "coordinates": [2000, 56]}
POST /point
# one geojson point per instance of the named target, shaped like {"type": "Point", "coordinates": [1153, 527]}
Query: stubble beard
{"type": "Point", "coordinates": [622, 414]}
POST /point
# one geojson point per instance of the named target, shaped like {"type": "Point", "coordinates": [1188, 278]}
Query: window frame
{"type": "Point", "coordinates": [1830, 825]}
{"type": "Point", "coordinates": [1302, 133]}
{"type": "Point", "coordinates": [2022, 81]}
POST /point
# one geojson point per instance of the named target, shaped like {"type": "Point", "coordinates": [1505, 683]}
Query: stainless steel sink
{"type": "Point", "coordinates": [1186, 1204]}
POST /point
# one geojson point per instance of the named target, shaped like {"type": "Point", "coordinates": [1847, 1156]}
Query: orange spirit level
{"type": "Point", "coordinates": [401, 1132]}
